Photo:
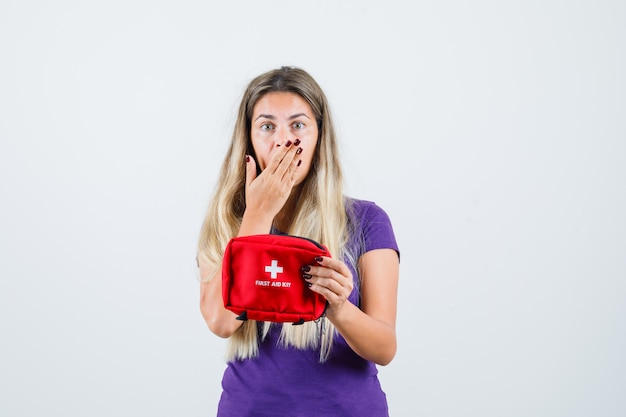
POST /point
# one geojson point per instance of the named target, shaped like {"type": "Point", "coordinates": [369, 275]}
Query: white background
{"type": "Point", "coordinates": [493, 133]}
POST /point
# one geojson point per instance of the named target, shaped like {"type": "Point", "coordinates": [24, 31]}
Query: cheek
{"type": "Point", "coordinates": [260, 153]}
{"type": "Point", "coordinates": [307, 160]}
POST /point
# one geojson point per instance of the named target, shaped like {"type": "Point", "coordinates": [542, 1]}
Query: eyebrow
{"type": "Point", "coordinates": [271, 117]}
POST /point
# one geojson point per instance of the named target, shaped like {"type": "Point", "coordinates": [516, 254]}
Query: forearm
{"type": "Point", "coordinates": [220, 321]}
{"type": "Point", "coordinates": [370, 338]}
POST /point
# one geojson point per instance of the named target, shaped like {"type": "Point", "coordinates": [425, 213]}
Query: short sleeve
{"type": "Point", "coordinates": [373, 226]}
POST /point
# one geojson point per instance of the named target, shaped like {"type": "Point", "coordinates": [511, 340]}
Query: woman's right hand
{"type": "Point", "coordinates": [267, 193]}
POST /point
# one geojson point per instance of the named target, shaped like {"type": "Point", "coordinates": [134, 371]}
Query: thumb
{"type": "Point", "coordinates": [250, 170]}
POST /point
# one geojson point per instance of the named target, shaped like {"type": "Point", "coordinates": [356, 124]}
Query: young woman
{"type": "Point", "coordinates": [281, 174]}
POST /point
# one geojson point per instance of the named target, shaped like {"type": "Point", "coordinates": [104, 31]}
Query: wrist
{"type": "Point", "coordinates": [254, 224]}
{"type": "Point", "coordinates": [339, 314]}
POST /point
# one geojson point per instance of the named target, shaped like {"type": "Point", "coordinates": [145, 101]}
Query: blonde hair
{"type": "Point", "coordinates": [320, 212]}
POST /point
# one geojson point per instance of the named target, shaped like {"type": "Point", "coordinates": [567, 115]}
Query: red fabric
{"type": "Point", "coordinates": [261, 276]}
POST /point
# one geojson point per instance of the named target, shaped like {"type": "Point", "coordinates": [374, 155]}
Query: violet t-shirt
{"type": "Point", "coordinates": [292, 382]}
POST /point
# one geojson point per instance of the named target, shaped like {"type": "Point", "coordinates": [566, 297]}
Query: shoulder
{"type": "Point", "coordinates": [370, 225]}
{"type": "Point", "coordinates": [365, 211]}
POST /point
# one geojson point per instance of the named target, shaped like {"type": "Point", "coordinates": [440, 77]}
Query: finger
{"type": "Point", "coordinates": [333, 281]}
{"type": "Point", "coordinates": [290, 175]}
{"type": "Point", "coordinates": [329, 284]}
{"type": "Point", "coordinates": [337, 283]}
{"type": "Point", "coordinates": [334, 264]}
{"type": "Point", "coordinates": [329, 268]}
{"type": "Point", "coordinates": [250, 170]}
{"type": "Point", "coordinates": [288, 164]}
{"type": "Point", "coordinates": [278, 157]}
{"type": "Point", "coordinates": [331, 290]}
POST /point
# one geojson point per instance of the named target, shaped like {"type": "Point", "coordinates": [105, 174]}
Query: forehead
{"type": "Point", "coordinates": [281, 104]}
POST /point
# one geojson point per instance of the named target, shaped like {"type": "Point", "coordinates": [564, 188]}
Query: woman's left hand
{"type": "Point", "coordinates": [332, 279]}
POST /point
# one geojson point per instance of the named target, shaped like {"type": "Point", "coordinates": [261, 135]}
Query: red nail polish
{"type": "Point", "coordinates": [299, 151]}
{"type": "Point", "coordinates": [288, 144]}
{"type": "Point", "coordinates": [319, 259]}
{"type": "Point", "coordinates": [247, 158]}
{"type": "Point", "coordinates": [299, 162]}
{"type": "Point", "coordinates": [296, 142]}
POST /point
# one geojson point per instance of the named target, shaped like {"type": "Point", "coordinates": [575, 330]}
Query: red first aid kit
{"type": "Point", "coordinates": [262, 278]}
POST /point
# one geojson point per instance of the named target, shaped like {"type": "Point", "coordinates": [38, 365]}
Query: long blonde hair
{"type": "Point", "coordinates": [320, 212]}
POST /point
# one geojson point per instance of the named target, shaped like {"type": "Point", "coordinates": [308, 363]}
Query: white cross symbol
{"type": "Point", "coordinates": [274, 269]}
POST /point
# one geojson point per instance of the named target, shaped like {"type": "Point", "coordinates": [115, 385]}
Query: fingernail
{"type": "Point", "coordinates": [299, 162]}
{"type": "Point", "coordinates": [305, 268]}
{"type": "Point", "coordinates": [308, 284]}
{"type": "Point", "coordinates": [296, 142]}
{"type": "Point", "coordinates": [247, 158]}
{"type": "Point", "coordinates": [307, 276]}
{"type": "Point", "coordinates": [319, 259]}
{"type": "Point", "coordinates": [288, 144]}
{"type": "Point", "coordinates": [299, 151]}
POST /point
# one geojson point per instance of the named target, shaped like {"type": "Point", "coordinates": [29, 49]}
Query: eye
{"type": "Point", "coordinates": [267, 126]}
{"type": "Point", "coordinates": [298, 125]}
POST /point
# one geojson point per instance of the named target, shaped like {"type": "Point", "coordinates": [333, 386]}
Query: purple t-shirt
{"type": "Point", "coordinates": [292, 382]}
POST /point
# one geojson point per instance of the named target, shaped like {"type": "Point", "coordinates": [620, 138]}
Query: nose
{"type": "Point", "coordinates": [281, 135]}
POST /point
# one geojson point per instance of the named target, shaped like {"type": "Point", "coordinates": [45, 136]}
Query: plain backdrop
{"type": "Point", "coordinates": [492, 132]}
